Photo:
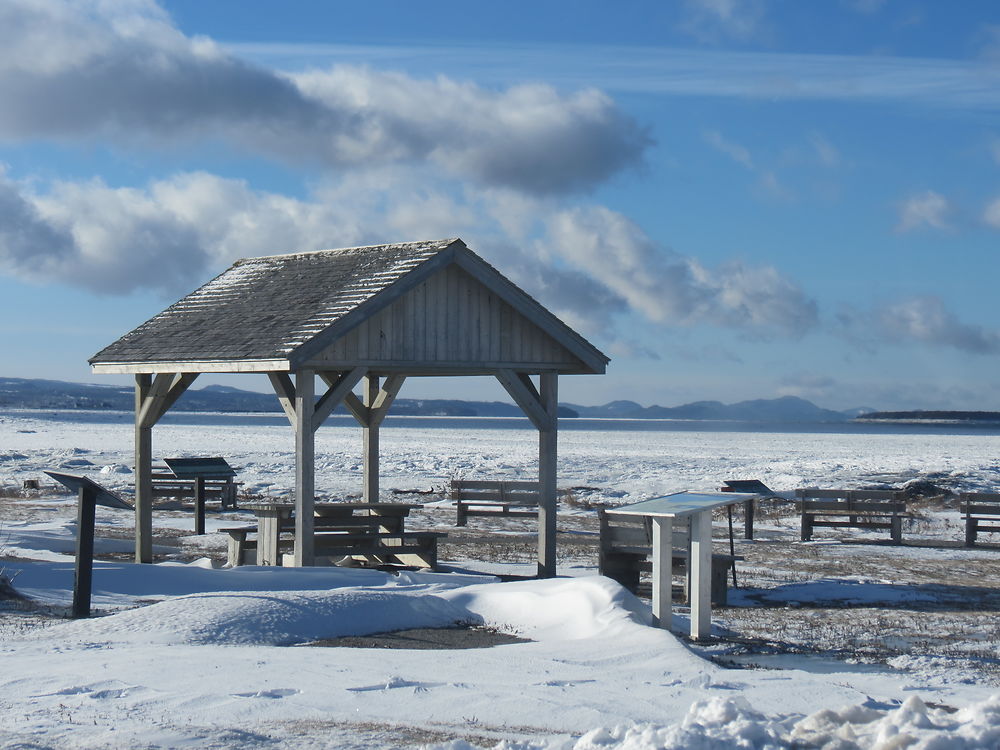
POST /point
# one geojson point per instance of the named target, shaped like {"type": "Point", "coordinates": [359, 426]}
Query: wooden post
{"type": "Point", "coordinates": [305, 467]}
{"type": "Point", "coordinates": [143, 474]}
{"type": "Point", "coordinates": [700, 566]}
{"type": "Point", "coordinates": [199, 505]}
{"type": "Point", "coordinates": [663, 574]}
{"type": "Point", "coordinates": [370, 391]}
{"type": "Point", "coordinates": [269, 535]}
{"type": "Point", "coordinates": [547, 466]}
{"type": "Point", "coordinates": [82, 584]}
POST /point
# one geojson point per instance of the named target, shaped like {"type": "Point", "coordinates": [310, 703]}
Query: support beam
{"type": "Point", "coordinates": [372, 416]}
{"type": "Point", "coordinates": [700, 567]}
{"type": "Point", "coordinates": [305, 467]}
{"type": "Point", "coordinates": [357, 409]}
{"type": "Point", "coordinates": [153, 397]}
{"type": "Point", "coordinates": [369, 394]}
{"type": "Point", "coordinates": [522, 390]}
{"type": "Point", "coordinates": [547, 463]}
{"type": "Point", "coordinates": [143, 474]}
{"type": "Point", "coordinates": [336, 393]}
{"type": "Point", "coordinates": [285, 391]}
{"type": "Point", "coordinates": [663, 574]}
{"type": "Point", "coordinates": [166, 388]}
{"type": "Point", "coordinates": [386, 395]}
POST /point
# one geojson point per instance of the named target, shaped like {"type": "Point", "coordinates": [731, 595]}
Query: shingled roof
{"type": "Point", "coordinates": [271, 313]}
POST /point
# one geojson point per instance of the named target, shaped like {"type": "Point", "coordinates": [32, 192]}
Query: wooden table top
{"type": "Point", "coordinates": [333, 508]}
{"type": "Point", "coordinates": [682, 504]}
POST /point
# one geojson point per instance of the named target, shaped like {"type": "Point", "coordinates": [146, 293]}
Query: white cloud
{"type": "Point", "coordinates": [119, 70]}
{"type": "Point", "coordinates": [994, 147]}
{"type": "Point", "coordinates": [29, 244]}
{"type": "Point", "coordinates": [935, 83]}
{"type": "Point", "coordinates": [669, 288]}
{"type": "Point", "coordinates": [926, 209]}
{"type": "Point", "coordinates": [826, 152]}
{"type": "Point", "coordinates": [992, 213]}
{"type": "Point", "coordinates": [735, 151]}
{"type": "Point", "coordinates": [709, 19]}
{"type": "Point", "coordinates": [926, 320]}
{"type": "Point", "coordinates": [590, 266]}
{"type": "Point", "coordinates": [768, 182]}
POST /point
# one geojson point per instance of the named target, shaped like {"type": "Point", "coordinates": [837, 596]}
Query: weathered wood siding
{"type": "Point", "coordinates": [449, 319]}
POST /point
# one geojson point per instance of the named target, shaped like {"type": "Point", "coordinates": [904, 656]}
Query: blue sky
{"type": "Point", "coordinates": [732, 198]}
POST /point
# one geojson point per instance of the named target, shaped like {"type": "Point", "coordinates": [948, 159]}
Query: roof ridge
{"type": "Point", "coordinates": [442, 243]}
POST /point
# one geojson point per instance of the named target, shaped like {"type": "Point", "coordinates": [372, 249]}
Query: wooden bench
{"type": "Point", "coordinates": [166, 485]}
{"type": "Point", "coordinates": [379, 539]}
{"type": "Point", "coordinates": [627, 544]}
{"type": "Point", "coordinates": [493, 498]}
{"type": "Point", "coordinates": [982, 513]}
{"type": "Point", "coordinates": [856, 509]}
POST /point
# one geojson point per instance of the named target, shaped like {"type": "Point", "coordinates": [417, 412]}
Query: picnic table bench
{"type": "Point", "coordinates": [373, 531]}
{"type": "Point", "coordinates": [857, 509]}
{"type": "Point", "coordinates": [982, 513]}
{"type": "Point", "coordinates": [199, 479]}
{"type": "Point", "coordinates": [482, 497]}
{"type": "Point", "coordinates": [626, 546]}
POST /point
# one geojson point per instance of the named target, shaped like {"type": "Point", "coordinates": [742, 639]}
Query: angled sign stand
{"type": "Point", "coordinates": [90, 495]}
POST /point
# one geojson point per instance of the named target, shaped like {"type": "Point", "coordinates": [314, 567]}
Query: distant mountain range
{"type": "Point", "coordinates": [18, 393]}
{"type": "Point", "coordinates": [785, 409]}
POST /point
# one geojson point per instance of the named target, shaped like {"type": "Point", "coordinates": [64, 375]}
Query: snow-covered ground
{"type": "Point", "coordinates": [190, 655]}
{"type": "Point", "coordinates": [627, 466]}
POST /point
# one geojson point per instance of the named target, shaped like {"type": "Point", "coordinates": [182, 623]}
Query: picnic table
{"type": "Point", "coordinates": [374, 531]}
{"type": "Point", "coordinates": [696, 507]}
{"type": "Point", "coordinates": [197, 478]}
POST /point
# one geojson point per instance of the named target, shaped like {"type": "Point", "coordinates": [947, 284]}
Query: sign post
{"type": "Point", "coordinates": [89, 496]}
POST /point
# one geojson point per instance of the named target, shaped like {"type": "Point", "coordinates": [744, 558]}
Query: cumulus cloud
{"type": "Point", "coordinates": [669, 288]}
{"type": "Point", "coordinates": [926, 320]}
{"type": "Point", "coordinates": [119, 69]}
{"type": "Point", "coordinates": [589, 265]}
{"type": "Point", "coordinates": [29, 244]}
{"type": "Point", "coordinates": [926, 209]}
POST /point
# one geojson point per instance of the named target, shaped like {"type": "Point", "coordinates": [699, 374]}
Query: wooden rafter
{"type": "Point", "coordinates": [525, 395]}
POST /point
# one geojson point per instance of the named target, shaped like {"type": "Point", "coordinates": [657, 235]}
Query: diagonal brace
{"type": "Point", "coordinates": [525, 395]}
{"type": "Point", "coordinates": [335, 394]}
{"type": "Point", "coordinates": [372, 416]}
{"type": "Point", "coordinates": [166, 388]}
{"type": "Point", "coordinates": [284, 388]}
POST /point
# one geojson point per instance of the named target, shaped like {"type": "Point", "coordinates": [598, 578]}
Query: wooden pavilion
{"type": "Point", "coordinates": [365, 315]}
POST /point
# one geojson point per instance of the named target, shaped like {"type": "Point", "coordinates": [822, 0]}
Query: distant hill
{"type": "Point", "coordinates": [18, 393]}
{"type": "Point", "coordinates": [932, 416]}
{"type": "Point", "coordinates": [785, 409]}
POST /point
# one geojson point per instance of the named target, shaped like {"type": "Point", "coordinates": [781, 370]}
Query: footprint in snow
{"type": "Point", "coordinates": [394, 683]}
{"type": "Point", "coordinates": [273, 694]}
{"type": "Point", "coordinates": [97, 691]}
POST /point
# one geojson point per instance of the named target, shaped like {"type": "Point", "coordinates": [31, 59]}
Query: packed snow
{"type": "Point", "coordinates": [192, 655]}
